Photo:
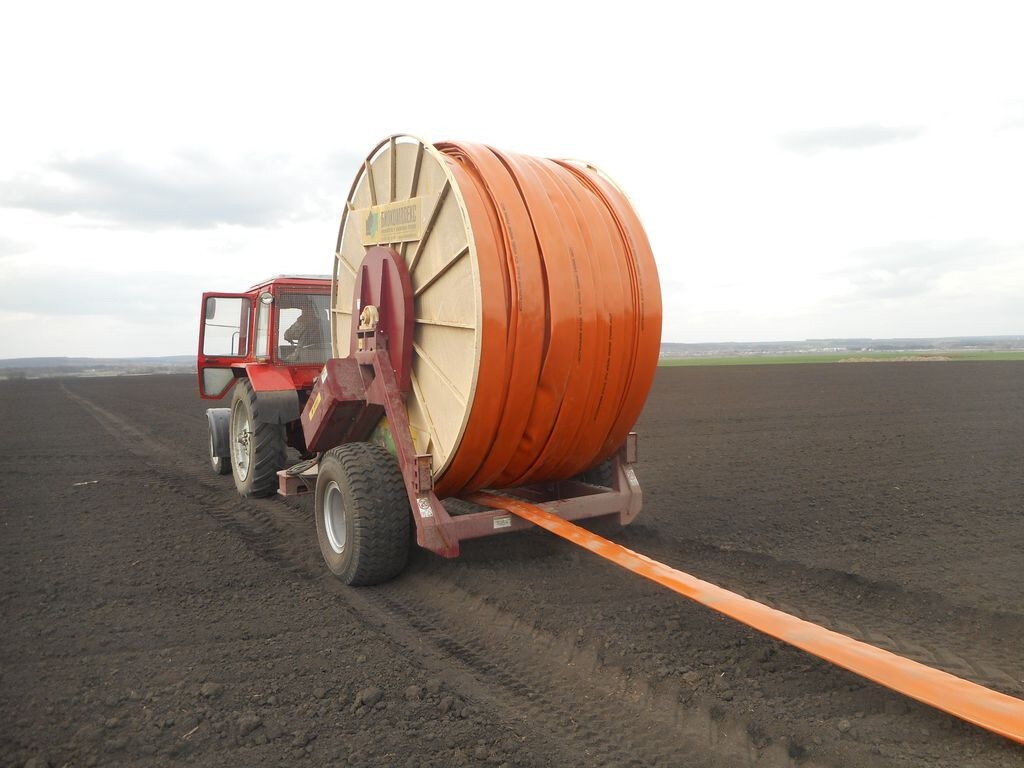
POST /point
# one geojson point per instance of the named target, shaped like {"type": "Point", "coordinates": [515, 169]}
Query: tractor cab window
{"type": "Point", "coordinates": [226, 326]}
{"type": "Point", "coordinates": [303, 327]}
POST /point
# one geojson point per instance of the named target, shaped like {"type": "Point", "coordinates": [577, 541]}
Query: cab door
{"type": "Point", "coordinates": [225, 340]}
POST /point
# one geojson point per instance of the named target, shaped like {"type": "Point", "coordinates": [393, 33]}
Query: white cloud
{"type": "Point", "coordinates": [191, 190]}
{"type": "Point", "coordinates": [848, 137]}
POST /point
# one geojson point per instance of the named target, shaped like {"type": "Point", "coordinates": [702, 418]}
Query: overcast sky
{"type": "Point", "coordinates": [802, 169]}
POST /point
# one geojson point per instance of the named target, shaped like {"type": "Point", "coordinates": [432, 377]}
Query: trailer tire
{"type": "Point", "coordinates": [257, 456]}
{"type": "Point", "coordinates": [602, 474]}
{"type": "Point", "coordinates": [362, 514]}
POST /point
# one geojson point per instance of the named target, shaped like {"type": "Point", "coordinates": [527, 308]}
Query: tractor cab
{"type": "Point", "coordinates": [282, 324]}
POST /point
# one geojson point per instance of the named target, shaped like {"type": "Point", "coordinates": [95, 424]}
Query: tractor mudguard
{"type": "Point", "coordinates": [278, 406]}
{"type": "Point", "coordinates": [269, 378]}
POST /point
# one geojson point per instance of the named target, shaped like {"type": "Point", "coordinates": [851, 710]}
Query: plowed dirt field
{"type": "Point", "coordinates": [153, 617]}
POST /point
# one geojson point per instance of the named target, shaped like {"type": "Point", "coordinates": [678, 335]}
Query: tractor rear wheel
{"type": "Point", "coordinates": [362, 514]}
{"type": "Point", "coordinates": [258, 449]}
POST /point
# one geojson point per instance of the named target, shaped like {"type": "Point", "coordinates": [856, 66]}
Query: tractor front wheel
{"type": "Point", "coordinates": [219, 465]}
{"type": "Point", "coordinates": [258, 449]}
{"type": "Point", "coordinates": [362, 514]}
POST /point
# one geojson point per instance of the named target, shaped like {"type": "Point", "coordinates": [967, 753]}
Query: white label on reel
{"type": "Point", "coordinates": [502, 522]}
{"type": "Point", "coordinates": [425, 509]}
{"type": "Point", "coordinates": [397, 222]}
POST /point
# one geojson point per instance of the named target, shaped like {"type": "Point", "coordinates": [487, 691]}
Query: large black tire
{"type": "Point", "coordinates": [362, 514]}
{"type": "Point", "coordinates": [254, 469]}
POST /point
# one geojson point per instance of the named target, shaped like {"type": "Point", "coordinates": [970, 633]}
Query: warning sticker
{"type": "Point", "coordinates": [425, 509]}
{"type": "Point", "coordinates": [316, 404]}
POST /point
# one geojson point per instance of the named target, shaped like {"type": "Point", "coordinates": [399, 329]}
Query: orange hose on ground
{"type": "Point", "coordinates": [578, 291]}
{"type": "Point", "coordinates": [993, 711]}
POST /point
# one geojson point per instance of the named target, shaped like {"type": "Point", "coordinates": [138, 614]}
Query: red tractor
{"type": "Point", "coordinates": [266, 345]}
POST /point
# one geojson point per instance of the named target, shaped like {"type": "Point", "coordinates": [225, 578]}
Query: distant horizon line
{"type": "Point", "coordinates": [816, 340]}
{"type": "Point", "coordinates": [820, 339]}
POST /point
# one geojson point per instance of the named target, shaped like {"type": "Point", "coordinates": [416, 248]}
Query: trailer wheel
{"type": "Point", "coordinates": [362, 514]}
{"type": "Point", "coordinates": [258, 449]}
{"type": "Point", "coordinates": [603, 474]}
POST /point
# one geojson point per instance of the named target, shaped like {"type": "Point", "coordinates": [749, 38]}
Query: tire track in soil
{"type": "Point", "coordinates": [272, 531]}
{"type": "Point", "coordinates": [587, 712]}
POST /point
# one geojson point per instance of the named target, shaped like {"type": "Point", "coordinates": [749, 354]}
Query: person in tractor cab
{"type": "Point", "coordinates": [307, 331]}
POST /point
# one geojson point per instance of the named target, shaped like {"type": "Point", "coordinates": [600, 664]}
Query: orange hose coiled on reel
{"type": "Point", "coordinates": [575, 326]}
{"type": "Point", "coordinates": [536, 306]}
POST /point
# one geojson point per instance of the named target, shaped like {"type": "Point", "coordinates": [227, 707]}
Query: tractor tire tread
{"type": "Point", "coordinates": [269, 451]}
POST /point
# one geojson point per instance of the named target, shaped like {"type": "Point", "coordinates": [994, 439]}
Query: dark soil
{"type": "Point", "coordinates": [153, 617]}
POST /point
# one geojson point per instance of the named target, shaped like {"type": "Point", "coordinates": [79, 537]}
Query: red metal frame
{"type": "Point", "coordinates": [383, 281]}
{"type": "Point", "coordinates": [352, 393]}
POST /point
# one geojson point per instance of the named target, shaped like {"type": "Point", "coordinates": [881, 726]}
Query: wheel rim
{"type": "Point", "coordinates": [241, 436]}
{"type": "Point", "coordinates": [335, 518]}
